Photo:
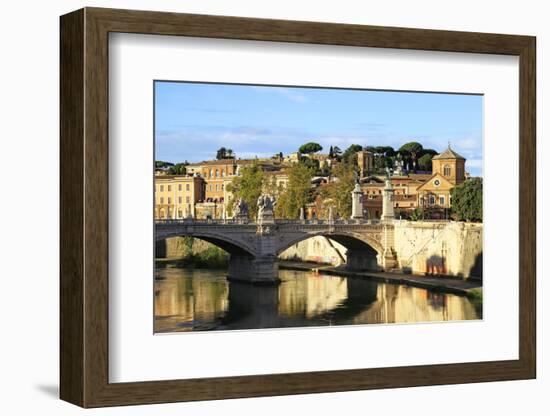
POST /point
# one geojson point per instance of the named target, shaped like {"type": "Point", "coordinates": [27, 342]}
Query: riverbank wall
{"type": "Point", "coordinates": [439, 248]}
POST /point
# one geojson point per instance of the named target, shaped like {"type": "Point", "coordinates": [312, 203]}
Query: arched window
{"type": "Point", "coordinates": [447, 170]}
{"type": "Point", "coordinates": [217, 173]}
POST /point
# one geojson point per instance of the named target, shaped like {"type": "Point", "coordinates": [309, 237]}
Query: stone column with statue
{"type": "Point", "coordinates": [389, 261]}
{"type": "Point", "coordinates": [388, 214]}
{"type": "Point", "coordinates": [356, 202]}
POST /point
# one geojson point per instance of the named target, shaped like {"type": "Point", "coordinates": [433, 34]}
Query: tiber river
{"type": "Point", "coordinates": [203, 300]}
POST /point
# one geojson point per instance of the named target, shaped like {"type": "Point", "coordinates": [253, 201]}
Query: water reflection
{"type": "Point", "coordinates": [195, 300]}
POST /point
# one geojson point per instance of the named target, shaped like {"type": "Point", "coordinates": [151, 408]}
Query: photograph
{"type": "Point", "coordinates": [292, 206]}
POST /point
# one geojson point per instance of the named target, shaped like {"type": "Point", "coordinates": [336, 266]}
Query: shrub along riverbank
{"type": "Point", "coordinates": [191, 253]}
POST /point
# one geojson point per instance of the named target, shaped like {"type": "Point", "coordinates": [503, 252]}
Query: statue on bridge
{"type": "Point", "coordinates": [266, 205]}
{"type": "Point", "coordinates": [240, 210]}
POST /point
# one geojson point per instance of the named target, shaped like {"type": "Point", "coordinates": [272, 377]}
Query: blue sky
{"type": "Point", "coordinates": [193, 120]}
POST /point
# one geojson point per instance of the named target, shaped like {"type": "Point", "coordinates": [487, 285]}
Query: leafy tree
{"type": "Point", "coordinates": [425, 162]}
{"type": "Point", "coordinates": [325, 169]}
{"type": "Point", "coordinates": [247, 186]}
{"type": "Point", "coordinates": [467, 200]}
{"type": "Point", "coordinates": [336, 152]}
{"type": "Point", "coordinates": [417, 214]}
{"type": "Point", "coordinates": [161, 164]}
{"type": "Point", "coordinates": [411, 151]}
{"type": "Point", "coordinates": [383, 157]}
{"type": "Point", "coordinates": [310, 147]}
{"type": "Point", "coordinates": [297, 192]}
{"type": "Point", "coordinates": [350, 154]}
{"type": "Point", "coordinates": [177, 169]}
{"type": "Point", "coordinates": [339, 191]}
{"type": "Point", "coordinates": [429, 152]}
{"type": "Point", "coordinates": [223, 153]}
{"type": "Point", "coordinates": [312, 164]}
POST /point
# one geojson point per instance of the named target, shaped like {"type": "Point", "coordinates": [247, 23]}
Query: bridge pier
{"type": "Point", "coordinates": [260, 270]}
{"type": "Point", "coordinates": [361, 260]}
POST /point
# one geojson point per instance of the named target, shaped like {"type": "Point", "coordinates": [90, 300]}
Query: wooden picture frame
{"type": "Point", "coordinates": [84, 207]}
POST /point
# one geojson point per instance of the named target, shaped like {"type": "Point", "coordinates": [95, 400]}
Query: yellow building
{"type": "Point", "coordinates": [448, 171]}
{"type": "Point", "coordinates": [365, 161]}
{"type": "Point", "coordinates": [176, 196]}
{"type": "Point", "coordinates": [417, 189]}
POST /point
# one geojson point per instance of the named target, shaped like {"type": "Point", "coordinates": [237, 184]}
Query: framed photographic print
{"type": "Point", "coordinates": [256, 207]}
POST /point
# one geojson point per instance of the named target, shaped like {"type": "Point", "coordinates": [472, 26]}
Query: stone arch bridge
{"type": "Point", "coordinates": [254, 246]}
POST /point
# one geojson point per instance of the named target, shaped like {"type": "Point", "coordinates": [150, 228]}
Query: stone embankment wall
{"type": "Point", "coordinates": [439, 248]}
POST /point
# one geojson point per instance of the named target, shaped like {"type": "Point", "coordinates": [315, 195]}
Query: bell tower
{"type": "Point", "coordinates": [450, 165]}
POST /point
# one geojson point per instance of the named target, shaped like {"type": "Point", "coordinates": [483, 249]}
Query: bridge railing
{"type": "Point", "coordinates": [191, 221]}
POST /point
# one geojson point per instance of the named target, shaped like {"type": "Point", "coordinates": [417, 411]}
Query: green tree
{"type": "Point", "coordinates": [297, 192]}
{"type": "Point", "coordinates": [223, 153]}
{"type": "Point", "coordinates": [350, 154]}
{"type": "Point", "coordinates": [312, 164]}
{"type": "Point", "coordinates": [310, 147]}
{"type": "Point", "coordinates": [339, 190]}
{"type": "Point", "coordinates": [247, 186]}
{"type": "Point", "coordinates": [177, 169]}
{"type": "Point", "coordinates": [429, 152]}
{"type": "Point", "coordinates": [417, 214]}
{"type": "Point", "coordinates": [412, 152]}
{"type": "Point", "coordinates": [325, 170]}
{"type": "Point", "coordinates": [425, 162]}
{"type": "Point", "coordinates": [467, 200]}
{"type": "Point", "coordinates": [161, 164]}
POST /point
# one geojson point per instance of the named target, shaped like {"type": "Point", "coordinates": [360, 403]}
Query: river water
{"type": "Point", "coordinates": [201, 300]}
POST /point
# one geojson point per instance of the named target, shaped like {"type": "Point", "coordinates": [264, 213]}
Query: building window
{"type": "Point", "coordinates": [447, 170]}
{"type": "Point", "coordinates": [161, 188]}
{"type": "Point", "coordinates": [169, 188]}
{"type": "Point", "coordinates": [222, 186]}
{"type": "Point", "coordinates": [187, 199]}
{"type": "Point", "coordinates": [179, 187]}
{"type": "Point", "coordinates": [431, 199]}
{"type": "Point", "coordinates": [161, 200]}
{"type": "Point", "coordinates": [217, 187]}
{"type": "Point", "coordinates": [217, 173]}
{"type": "Point", "coordinates": [169, 201]}
{"type": "Point", "coordinates": [441, 200]}
{"type": "Point", "coordinates": [180, 214]}
{"type": "Point", "coordinates": [223, 173]}
{"type": "Point", "coordinates": [186, 187]}
{"type": "Point", "coordinates": [180, 199]}
{"type": "Point", "coordinates": [210, 173]}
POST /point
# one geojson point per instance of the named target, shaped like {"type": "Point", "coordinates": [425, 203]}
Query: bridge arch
{"type": "Point", "coordinates": [232, 246]}
{"type": "Point", "coordinates": [350, 240]}
{"type": "Point", "coordinates": [363, 252]}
